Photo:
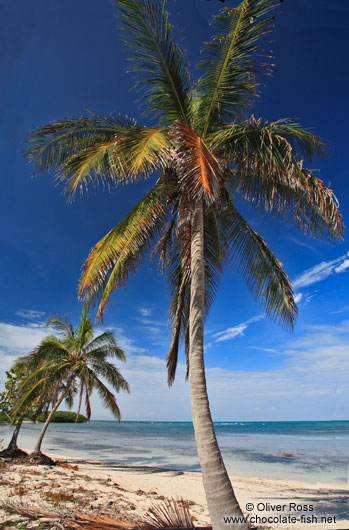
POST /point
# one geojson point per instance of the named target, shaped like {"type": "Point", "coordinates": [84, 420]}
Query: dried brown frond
{"type": "Point", "coordinates": [199, 171]}
{"type": "Point", "coordinates": [70, 521]}
{"type": "Point", "coordinates": [171, 513]}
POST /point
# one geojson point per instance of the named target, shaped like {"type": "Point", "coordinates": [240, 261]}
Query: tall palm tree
{"type": "Point", "coordinates": [205, 152]}
{"type": "Point", "coordinates": [59, 361]}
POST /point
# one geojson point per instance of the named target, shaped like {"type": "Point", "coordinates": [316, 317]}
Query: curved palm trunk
{"type": "Point", "coordinates": [220, 497]}
{"type": "Point", "coordinates": [12, 446]}
{"type": "Point", "coordinates": [37, 448]}
{"type": "Point", "coordinates": [79, 407]}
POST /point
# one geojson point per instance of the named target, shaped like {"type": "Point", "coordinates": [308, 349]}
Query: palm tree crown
{"type": "Point", "coordinates": [61, 360]}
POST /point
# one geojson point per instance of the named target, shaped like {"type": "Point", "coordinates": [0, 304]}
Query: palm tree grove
{"type": "Point", "coordinates": [204, 151]}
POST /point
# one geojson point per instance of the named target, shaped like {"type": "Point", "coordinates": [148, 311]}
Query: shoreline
{"type": "Point", "coordinates": [129, 491]}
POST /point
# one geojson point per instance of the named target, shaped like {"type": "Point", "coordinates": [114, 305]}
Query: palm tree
{"type": "Point", "coordinates": [8, 400]}
{"type": "Point", "coordinates": [205, 153]}
{"type": "Point", "coordinates": [59, 361]}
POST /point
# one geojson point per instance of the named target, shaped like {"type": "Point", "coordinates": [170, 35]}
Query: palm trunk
{"type": "Point", "coordinates": [12, 446]}
{"type": "Point", "coordinates": [37, 448]}
{"type": "Point", "coordinates": [220, 497]}
{"type": "Point", "coordinates": [79, 407]}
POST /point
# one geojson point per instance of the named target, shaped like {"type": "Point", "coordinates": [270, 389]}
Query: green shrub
{"type": "Point", "coordinates": [3, 417]}
{"type": "Point", "coordinates": [63, 416]}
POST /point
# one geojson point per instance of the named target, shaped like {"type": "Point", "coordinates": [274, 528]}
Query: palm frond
{"type": "Point", "coordinates": [267, 171]}
{"type": "Point", "coordinates": [116, 256]}
{"type": "Point", "coordinates": [103, 346]}
{"type": "Point", "coordinates": [171, 513]}
{"type": "Point", "coordinates": [231, 62]}
{"type": "Point", "coordinates": [243, 137]}
{"type": "Point", "coordinates": [156, 59]}
{"type": "Point", "coordinates": [143, 150]}
{"type": "Point", "coordinates": [179, 274]}
{"type": "Point", "coordinates": [50, 146]}
{"type": "Point", "coordinates": [51, 348]}
{"type": "Point", "coordinates": [84, 334]}
{"type": "Point", "coordinates": [262, 272]}
{"type": "Point", "coordinates": [111, 374]}
{"type": "Point", "coordinates": [61, 325]}
{"type": "Point", "coordinates": [107, 397]}
{"type": "Point", "coordinates": [97, 164]}
{"type": "Point", "coordinates": [199, 172]}
{"type": "Point", "coordinates": [40, 383]}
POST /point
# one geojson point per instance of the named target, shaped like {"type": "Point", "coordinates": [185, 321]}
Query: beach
{"type": "Point", "coordinates": [128, 492]}
{"type": "Point", "coordinates": [122, 470]}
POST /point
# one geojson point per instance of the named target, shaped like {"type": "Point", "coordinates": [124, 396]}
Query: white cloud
{"type": "Point", "coordinates": [145, 311]}
{"type": "Point", "coordinates": [269, 350]}
{"type": "Point", "coordinates": [298, 297]}
{"type": "Point", "coordinates": [16, 341]}
{"type": "Point", "coordinates": [236, 331]}
{"type": "Point", "coordinates": [311, 382]}
{"type": "Point", "coordinates": [321, 271]}
{"type": "Point", "coordinates": [343, 309]}
{"type": "Point", "coordinates": [342, 267]}
{"type": "Point", "coordinates": [30, 314]}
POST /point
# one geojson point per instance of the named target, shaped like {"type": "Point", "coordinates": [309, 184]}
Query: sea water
{"type": "Point", "coordinates": [316, 452]}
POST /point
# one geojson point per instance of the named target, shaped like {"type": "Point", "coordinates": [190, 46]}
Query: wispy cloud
{"type": "Point", "coordinates": [236, 331]}
{"type": "Point", "coordinates": [311, 383]}
{"type": "Point", "coordinates": [342, 267]}
{"type": "Point", "coordinates": [269, 350]}
{"type": "Point", "coordinates": [343, 309]}
{"type": "Point", "coordinates": [30, 314]}
{"type": "Point", "coordinates": [301, 243]}
{"type": "Point", "coordinates": [321, 271]}
{"type": "Point", "coordinates": [145, 311]}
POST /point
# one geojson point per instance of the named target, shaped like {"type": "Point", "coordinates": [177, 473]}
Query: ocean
{"type": "Point", "coordinates": [315, 452]}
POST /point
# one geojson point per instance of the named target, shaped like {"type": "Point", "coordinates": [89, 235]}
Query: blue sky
{"type": "Point", "coordinates": [62, 57]}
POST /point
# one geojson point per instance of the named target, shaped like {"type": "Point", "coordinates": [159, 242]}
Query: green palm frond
{"type": "Point", "coordinates": [84, 334]}
{"type": "Point", "coordinates": [103, 346]}
{"type": "Point", "coordinates": [262, 272]}
{"type": "Point", "coordinates": [93, 165]}
{"type": "Point", "coordinates": [231, 62]}
{"type": "Point", "coordinates": [50, 348]}
{"type": "Point", "coordinates": [243, 138]}
{"type": "Point", "coordinates": [116, 256]}
{"type": "Point", "coordinates": [143, 150]}
{"type": "Point", "coordinates": [50, 146]}
{"type": "Point", "coordinates": [156, 59]}
{"type": "Point", "coordinates": [107, 397]}
{"type": "Point", "coordinates": [61, 325]}
{"type": "Point", "coordinates": [111, 374]}
{"type": "Point", "coordinates": [40, 383]}
{"type": "Point", "coordinates": [267, 171]}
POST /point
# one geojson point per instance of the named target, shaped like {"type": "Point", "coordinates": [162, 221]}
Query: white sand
{"type": "Point", "coordinates": [130, 491]}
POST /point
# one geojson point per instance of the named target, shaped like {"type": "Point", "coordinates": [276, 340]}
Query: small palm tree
{"type": "Point", "coordinates": [59, 361]}
{"type": "Point", "coordinates": [205, 152]}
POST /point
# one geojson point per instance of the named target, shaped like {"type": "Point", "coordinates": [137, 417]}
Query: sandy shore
{"type": "Point", "coordinates": [129, 492]}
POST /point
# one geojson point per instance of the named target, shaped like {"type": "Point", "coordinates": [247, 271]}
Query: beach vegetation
{"type": "Point", "coordinates": [63, 416]}
{"type": "Point", "coordinates": [204, 152]}
{"type": "Point", "coordinates": [58, 497]}
{"type": "Point", "coordinates": [61, 360]}
{"type": "Point", "coordinates": [8, 401]}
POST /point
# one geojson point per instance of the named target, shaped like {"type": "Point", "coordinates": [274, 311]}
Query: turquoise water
{"type": "Point", "coordinates": [316, 452]}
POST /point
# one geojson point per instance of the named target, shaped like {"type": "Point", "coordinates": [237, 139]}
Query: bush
{"type": "Point", "coordinates": [63, 416]}
{"type": "Point", "coordinates": [3, 418]}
